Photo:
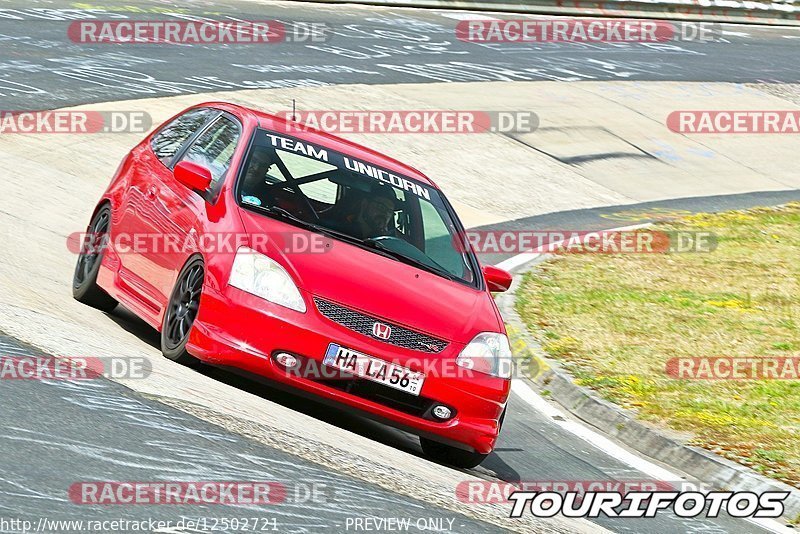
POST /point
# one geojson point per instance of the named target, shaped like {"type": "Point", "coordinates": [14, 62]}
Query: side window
{"type": "Point", "coordinates": [214, 148]}
{"type": "Point", "coordinates": [167, 142]}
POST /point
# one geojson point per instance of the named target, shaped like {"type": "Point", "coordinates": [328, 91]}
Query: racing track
{"type": "Point", "coordinates": [42, 69]}
{"type": "Point", "coordinates": [38, 71]}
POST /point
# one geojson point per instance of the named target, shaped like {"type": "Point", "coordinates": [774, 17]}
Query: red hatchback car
{"type": "Point", "coordinates": [250, 241]}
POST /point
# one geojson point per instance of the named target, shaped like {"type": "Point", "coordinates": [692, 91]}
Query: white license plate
{"type": "Point", "coordinates": [381, 371]}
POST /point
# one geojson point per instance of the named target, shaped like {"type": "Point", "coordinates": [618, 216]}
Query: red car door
{"type": "Point", "coordinates": [180, 213]}
{"type": "Point", "coordinates": [143, 215]}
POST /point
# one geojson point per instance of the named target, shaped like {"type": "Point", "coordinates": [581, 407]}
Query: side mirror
{"type": "Point", "coordinates": [193, 176]}
{"type": "Point", "coordinates": [497, 279]}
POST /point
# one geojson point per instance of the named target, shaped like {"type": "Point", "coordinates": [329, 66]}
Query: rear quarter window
{"type": "Point", "coordinates": [215, 147]}
{"type": "Point", "coordinates": [171, 137]}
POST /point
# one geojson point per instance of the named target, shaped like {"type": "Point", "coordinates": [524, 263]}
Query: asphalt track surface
{"type": "Point", "coordinates": [53, 435]}
{"type": "Point", "coordinates": [41, 69]}
{"type": "Point", "coordinates": [104, 431]}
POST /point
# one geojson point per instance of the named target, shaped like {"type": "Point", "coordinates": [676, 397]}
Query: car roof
{"type": "Point", "coordinates": [311, 135]}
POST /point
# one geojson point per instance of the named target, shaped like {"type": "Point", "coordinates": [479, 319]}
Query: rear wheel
{"type": "Point", "coordinates": [454, 456]}
{"type": "Point", "coordinates": [181, 312]}
{"type": "Point", "coordinates": [84, 280]}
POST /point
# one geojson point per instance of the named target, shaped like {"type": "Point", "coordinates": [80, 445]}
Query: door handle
{"type": "Point", "coordinates": [151, 193]}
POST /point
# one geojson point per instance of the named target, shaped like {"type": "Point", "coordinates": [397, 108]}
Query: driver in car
{"type": "Point", "coordinates": [375, 216]}
{"type": "Point", "coordinates": [260, 163]}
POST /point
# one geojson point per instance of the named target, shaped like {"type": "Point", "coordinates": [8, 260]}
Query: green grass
{"type": "Point", "coordinates": [615, 320]}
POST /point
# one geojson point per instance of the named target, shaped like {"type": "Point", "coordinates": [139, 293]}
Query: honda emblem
{"type": "Point", "coordinates": [381, 331]}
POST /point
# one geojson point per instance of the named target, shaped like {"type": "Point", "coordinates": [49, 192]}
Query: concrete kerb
{"type": "Point", "coordinates": [621, 424]}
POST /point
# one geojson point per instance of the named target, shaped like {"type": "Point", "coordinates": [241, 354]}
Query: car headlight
{"type": "Point", "coordinates": [263, 277]}
{"type": "Point", "coordinates": [488, 352]}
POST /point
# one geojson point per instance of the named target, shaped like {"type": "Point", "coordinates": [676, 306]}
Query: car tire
{"type": "Point", "coordinates": [449, 455]}
{"type": "Point", "coordinates": [181, 311]}
{"type": "Point", "coordinates": [93, 247]}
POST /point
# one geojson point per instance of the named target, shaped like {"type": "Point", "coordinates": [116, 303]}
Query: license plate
{"type": "Point", "coordinates": [381, 371]}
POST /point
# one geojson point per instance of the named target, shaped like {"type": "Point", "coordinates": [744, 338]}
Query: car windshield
{"type": "Point", "coordinates": [359, 202]}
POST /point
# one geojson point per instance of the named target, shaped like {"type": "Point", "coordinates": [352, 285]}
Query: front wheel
{"type": "Point", "coordinates": [454, 456]}
{"type": "Point", "coordinates": [84, 280]}
{"type": "Point", "coordinates": [181, 312]}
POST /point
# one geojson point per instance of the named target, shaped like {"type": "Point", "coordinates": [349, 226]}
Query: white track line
{"type": "Point", "coordinates": [656, 472]}
{"type": "Point", "coordinates": [466, 16]}
{"type": "Point", "coordinates": [736, 34]}
{"type": "Point", "coordinates": [524, 391]}
{"type": "Point", "coordinates": [520, 388]}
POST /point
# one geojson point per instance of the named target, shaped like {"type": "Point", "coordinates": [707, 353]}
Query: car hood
{"type": "Point", "coordinates": [374, 284]}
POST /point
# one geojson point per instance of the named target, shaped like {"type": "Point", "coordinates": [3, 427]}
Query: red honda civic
{"type": "Point", "coordinates": [250, 241]}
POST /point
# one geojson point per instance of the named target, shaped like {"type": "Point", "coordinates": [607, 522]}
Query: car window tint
{"type": "Point", "coordinates": [439, 240]}
{"type": "Point", "coordinates": [166, 143]}
{"type": "Point", "coordinates": [214, 148]}
{"type": "Point", "coordinates": [261, 170]}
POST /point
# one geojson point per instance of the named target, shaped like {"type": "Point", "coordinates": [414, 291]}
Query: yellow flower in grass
{"type": "Point", "coordinates": [730, 303]}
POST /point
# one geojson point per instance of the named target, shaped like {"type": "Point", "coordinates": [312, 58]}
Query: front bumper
{"type": "Point", "coordinates": [234, 328]}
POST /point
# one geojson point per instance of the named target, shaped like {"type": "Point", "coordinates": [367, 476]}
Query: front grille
{"type": "Point", "coordinates": [363, 324]}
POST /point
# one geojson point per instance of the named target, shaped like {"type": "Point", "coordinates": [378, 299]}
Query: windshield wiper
{"type": "Point", "coordinates": [435, 269]}
{"type": "Point", "coordinates": [286, 214]}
